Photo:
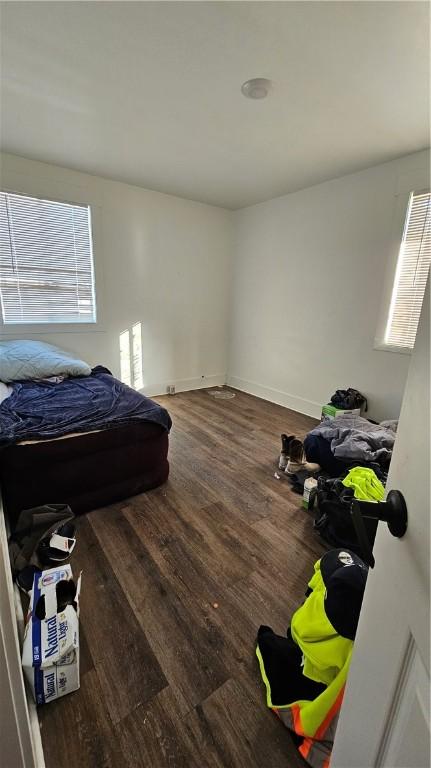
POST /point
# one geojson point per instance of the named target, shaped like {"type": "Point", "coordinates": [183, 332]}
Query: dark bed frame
{"type": "Point", "coordinates": [85, 471]}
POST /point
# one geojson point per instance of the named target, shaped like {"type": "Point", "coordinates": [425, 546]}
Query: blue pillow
{"type": "Point", "coordinates": [27, 359]}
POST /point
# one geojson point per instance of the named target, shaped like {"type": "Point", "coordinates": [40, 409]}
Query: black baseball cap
{"type": "Point", "coordinates": [344, 575]}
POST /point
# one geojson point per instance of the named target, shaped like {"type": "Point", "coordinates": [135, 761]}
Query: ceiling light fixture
{"type": "Point", "coordinates": [257, 88]}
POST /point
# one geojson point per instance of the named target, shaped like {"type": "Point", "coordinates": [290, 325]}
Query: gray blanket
{"type": "Point", "coordinates": [353, 438]}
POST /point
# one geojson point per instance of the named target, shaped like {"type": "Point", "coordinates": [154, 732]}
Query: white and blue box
{"type": "Point", "coordinates": [50, 656]}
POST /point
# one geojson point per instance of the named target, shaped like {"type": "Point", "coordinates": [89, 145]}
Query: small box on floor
{"type": "Point", "coordinates": [50, 656]}
{"type": "Point", "coordinates": [310, 489]}
{"type": "Point", "coordinates": [330, 411]}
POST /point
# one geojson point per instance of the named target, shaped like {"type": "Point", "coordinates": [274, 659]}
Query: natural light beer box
{"type": "Point", "coordinates": [50, 655]}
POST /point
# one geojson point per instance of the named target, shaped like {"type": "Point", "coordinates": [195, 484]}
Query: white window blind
{"type": "Point", "coordinates": [46, 261]}
{"type": "Point", "coordinates": [411, 274]}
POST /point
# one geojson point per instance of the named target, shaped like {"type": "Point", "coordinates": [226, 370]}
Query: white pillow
{"type": "Point", "coordinates": [25, 359]}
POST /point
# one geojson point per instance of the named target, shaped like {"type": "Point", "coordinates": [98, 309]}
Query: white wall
{"type": "Point", "coordinates": [163, 261]}
{"type": "Point", "coordinates": [308, 280]}
{"type": "Point", "coordinates": [293, 286]}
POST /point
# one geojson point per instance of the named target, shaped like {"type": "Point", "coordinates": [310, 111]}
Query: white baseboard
{"type": "Point", "coordinates": [295, 403]}
{"type": "Point", "coordinates": [185, 385]}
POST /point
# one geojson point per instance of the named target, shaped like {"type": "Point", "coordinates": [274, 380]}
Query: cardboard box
{"type": "Point", "coordinates": [50, 656]}
{"type": "Point", "coordinates": [330, 411]}
{"type": "Point", "coordinates": [310, 489]}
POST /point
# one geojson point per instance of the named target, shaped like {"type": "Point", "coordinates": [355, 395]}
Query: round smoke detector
{"type": "Point", "coordinates": [257, 88]}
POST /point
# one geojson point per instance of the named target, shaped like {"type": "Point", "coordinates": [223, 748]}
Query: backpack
{"type": "Point", "coordinates": [333, 520]}
{"type": "Point", "coordinates": [349, 399]}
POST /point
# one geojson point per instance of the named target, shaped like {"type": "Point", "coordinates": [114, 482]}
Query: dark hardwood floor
{"type": "Point", "coordinates": [168, 680]}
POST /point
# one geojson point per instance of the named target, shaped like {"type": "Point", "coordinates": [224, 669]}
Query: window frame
{"type": "Point", "coordinates": [407, 187]}
{"type": "Point", "coordinates": [74, 196]}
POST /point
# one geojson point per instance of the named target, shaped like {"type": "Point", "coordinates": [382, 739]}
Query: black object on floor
{"type": "Point", "coordinates": [318, 450]}
{"type": "Point", "coordinates": [25, 578]}
{"type": "Point", "coordinates": [333, 520]}
{"type": "Point", "coordinates": [47, 550]}
{"type": "Point", "coordinates": [345, 577]}
{"type": "Point", "coordinates": [32, 527]}
{"type": "Point", "coordinates": [66, 594]}
{"type": "Point", "coordinates": [282, 659]}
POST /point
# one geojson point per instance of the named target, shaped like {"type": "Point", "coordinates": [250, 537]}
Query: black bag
{"type": "Point", "coordinates": [32, 527]}
{"type": "Point", "coordinates": [348, 399]}
{"type": "Point", "coordinates": [333, 520]}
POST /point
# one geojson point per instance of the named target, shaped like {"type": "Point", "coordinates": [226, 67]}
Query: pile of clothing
{"type": "Point", "coordinates": [347, 439]}
{"type": "Point", "coordinates": [344, 457]}
{"type": "Point", "coordinates": [305, 671]}
{"type": "Point", "coordinates": [329, 497]}
{"type": "Point", "coordinates": [349, 399]}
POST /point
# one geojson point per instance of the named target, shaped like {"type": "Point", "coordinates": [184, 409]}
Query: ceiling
{"type": "Point", "coordinates": [149, 93]}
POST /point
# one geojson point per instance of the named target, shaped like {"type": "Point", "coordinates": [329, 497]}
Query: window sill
{"type": "Point", "coordinates": [380, 347]}
{"type": "Point", "coordinates": [43, 329]}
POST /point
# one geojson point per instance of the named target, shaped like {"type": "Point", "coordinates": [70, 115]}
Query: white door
{"type": "Point", "coordinates": [385, 715]}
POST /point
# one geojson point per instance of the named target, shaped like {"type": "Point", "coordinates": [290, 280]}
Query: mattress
{"type": "Point", "coordinates": [45, 409]}
{"type": "Point", "coordinates": [87, 470]}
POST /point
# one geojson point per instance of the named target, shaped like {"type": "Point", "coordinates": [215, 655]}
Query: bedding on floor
{"type": "Point", "coordinates": [352, 438]}
{"type": "Point", "coordinates": [41, 410]}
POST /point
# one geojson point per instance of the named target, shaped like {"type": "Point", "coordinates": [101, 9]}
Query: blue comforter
{"type": "Point", "coordinates": [39, 410]}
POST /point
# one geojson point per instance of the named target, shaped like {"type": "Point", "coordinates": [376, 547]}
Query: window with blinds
{"type": "Point", "coordinates": [46, 261]}
{"type": "Point", "coordinates": [411, 274]}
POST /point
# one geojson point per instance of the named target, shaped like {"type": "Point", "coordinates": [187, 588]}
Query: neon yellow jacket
{"type": "Point", "coordinates": [366, 484]}
{"type": "Point", "coordinates": [326, 656]}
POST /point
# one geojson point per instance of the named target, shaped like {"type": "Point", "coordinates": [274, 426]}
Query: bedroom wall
{"type": "Point", "coordinates": [309, 274]}
{"type": "Point", "coordinates": [163, 261]}
{"type": "Point", "coordinates": [291, 288]}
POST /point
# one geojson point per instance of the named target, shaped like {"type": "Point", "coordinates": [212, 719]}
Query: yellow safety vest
{"type": "Point", "coordinates": [326, 657]}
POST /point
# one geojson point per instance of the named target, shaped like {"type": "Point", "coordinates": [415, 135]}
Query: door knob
{"type": "Point", "coordinates": [393, 511]}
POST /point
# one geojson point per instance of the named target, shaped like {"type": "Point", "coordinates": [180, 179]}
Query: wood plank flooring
{"type": "Point", "coordinates": [167, 680]}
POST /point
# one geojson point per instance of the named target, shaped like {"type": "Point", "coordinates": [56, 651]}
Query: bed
{"type": "Point", "coordinates": [84, 441]}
